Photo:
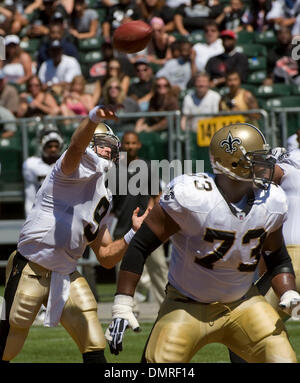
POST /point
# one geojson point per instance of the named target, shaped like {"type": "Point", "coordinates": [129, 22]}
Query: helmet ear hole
{"type": "Point", "coordinates": [234, 164]}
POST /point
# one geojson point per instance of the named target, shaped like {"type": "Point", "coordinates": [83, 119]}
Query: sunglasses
{"type": "Point", "coordinates": [162, 85]}
{"type": "Point", "coordinates": [114, 87]}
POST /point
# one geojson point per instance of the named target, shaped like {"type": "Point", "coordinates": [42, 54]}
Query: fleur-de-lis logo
{"type": "Point", "coordinates": [230, 143]}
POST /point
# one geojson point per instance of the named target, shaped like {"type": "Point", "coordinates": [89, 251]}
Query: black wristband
{"type": "Point", "coordinates": [141, 246]}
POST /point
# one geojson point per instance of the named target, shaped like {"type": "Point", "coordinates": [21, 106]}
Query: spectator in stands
{"type": "Point", "coordinates": [163, 99]}
{"type": "Point", "coordinates": [230, 60]}
{"type": "Point", "coordinates": [37, 102]}
{"type": "Point", "coordinates": [202, 100]}
{"type": "Point", "coordinates": [158, 50]}
{"type": "Point", "coordinates": [36, 168]}
{"type": "Point", "coordinates": [59, 69]}
{"type": "Point", "coordinates": [75, 100]}
{"type": "Point", "coordinates": [114, 95]}
{"type": "Point", "coordinates": [114, 70]}
{"type": "Point", "coordinates": [56, 32]}
{"type": "Point", "coordinates": [179, 71]}
{"type": "Point", "coordinates": [231, 16]}
{"type": "Point", "coordinates": [125, 10]}
{"type": "Point", "coordinates": [84, 22]}
{"type": "Point", "coordinates": [285, 13]}
{"type": "Point", "coordinates": [293, 141]}
{"type": "Point", "coordinates": [124, 204]}
{"type": "Point", "coordinates": [68, 5]}
{"type": "Point", "coordinates": [238, 99]}
{"type": "Point", "coordinates": [11, 20]}
{"type": "Point", "coordinates": [281, 67]}
{"type": "Point", "coordinates": [211, 47]}
{"type": "Point", "coordinates": [141, 91]}
{"type": "Point", "coordinates": [17, 67]}
{"type": "Point", "coordinates": [189, 18]}
{"type": "Point", "coordinates": [42, 12]}
{"type": "Point", "coordinates": [255, 14]}
{"type": "Point", "coordinates": [9, 97]}
{"type": "Point", "coordinates": [175, 49]}
{"type": "Point", "coordinates": [157, 8]}
{"type": "Point", "coordinates": [9, 127]}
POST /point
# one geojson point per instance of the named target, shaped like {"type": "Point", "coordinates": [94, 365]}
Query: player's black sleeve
{"type": "Point", "coordinates": [279, 262]}
{"type": "Point", "coordinates": [141, 246]}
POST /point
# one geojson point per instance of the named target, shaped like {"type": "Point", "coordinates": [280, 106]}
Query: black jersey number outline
{"type": "Point", "coordinates": [228, 238]}
{"type": "Point", "coordinates": [98, 215]}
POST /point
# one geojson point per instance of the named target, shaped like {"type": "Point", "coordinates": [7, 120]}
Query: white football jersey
{"type": "Point", "coordinates": [67, 214]}
{"type": "Point", "coordinates": [290, 183]}
{"type": "Point", "coordinates": [216, 252]}
{"type": "Point", "coordinates": [35, 171]}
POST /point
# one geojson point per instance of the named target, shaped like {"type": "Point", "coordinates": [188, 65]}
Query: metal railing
{"type": "Point", "coordinates": [281, 128]}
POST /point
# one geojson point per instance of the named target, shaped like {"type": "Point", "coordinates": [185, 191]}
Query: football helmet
{"type": "Point", "coordinates": [50, 133]}
{"type": "Point", "coordinates": [240, 151]}
{"type": "Point", "coordinates": [105, 137]}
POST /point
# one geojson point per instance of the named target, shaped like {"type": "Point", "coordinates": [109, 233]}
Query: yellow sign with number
{"type": "Point", "coordinates": [209, 126]}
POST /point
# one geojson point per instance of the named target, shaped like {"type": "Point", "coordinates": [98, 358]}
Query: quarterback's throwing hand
{"type": "Point", "coordinates": [103, 112]}
{"type": "Point", "coordinates": [290, 303]}
{"type": "Point", "coordinates": [123, 317]}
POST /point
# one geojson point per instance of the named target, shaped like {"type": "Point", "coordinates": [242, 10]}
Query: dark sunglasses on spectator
{"type": "Point", "coordinates": [162, 85]}
{"type": "Point", "coordinates": [114, 87]}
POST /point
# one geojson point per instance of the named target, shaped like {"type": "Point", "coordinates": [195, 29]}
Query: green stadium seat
{"type": "Point", "coordinates": [90, 44]}
{"type": "Point", "coordinates": [257, 63]}
{"type": "Point", "coordinates": [256, 77]}
{"type": "Point", "coordinates": [20, 87]}
{"type": "Point", "coordinates": [295, 89]}
{"type": "Point", "coordinates": [31, 45]}
{"type": "Point", "coordinates": [250, 87]}
{"type": "Point", "coordinates": [196, 37]}
{"type": "Point", "coordinates": [265, 38]}
{"type": "Point", "coordinates": [154, 145]}
{"type": "Point", "coordinates": [92, 3]}
{"type": "Point", "coordinates": [155, 67]}
{"type": "Point", "coordinates": [199, 153]}
{"type": "Point", "coordinates": [90, 57]}
{"type": "Point", "coordinates": [245, 37]}
{"type": "Point", "coordinates": [252, 50]}
{"type": "Point", "coordinates": [11, 159]}
{"type": "Point", "coordinates": [101, 14]}
{"type": "Point", "coordinates": [274, 90]}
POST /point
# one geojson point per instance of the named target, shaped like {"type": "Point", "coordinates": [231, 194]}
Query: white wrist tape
{"type": "Point", "coordinates": [128, 236]}
{"type": "Point", "coordinates": [122, 308]}
{"type": "Point", "coordinates": [93, 116]}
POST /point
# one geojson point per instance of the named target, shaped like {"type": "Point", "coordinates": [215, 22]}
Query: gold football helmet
{"type": "Point", "coordinates": [105, 137]}
{"type": "Point", "coordinates": [240, 151]}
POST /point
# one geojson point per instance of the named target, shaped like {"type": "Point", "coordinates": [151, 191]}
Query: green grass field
{"type": "Point", "coordinates": [54, 345]}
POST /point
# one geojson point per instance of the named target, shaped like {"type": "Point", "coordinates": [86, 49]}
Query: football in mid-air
{"type": "Point", "coordinates": [132, 37]}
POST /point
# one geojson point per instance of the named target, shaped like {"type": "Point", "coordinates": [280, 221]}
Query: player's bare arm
{"type": "Point", "coordinates": [82, 137]}
{"type": "Point", "coordinates": [109, 252]}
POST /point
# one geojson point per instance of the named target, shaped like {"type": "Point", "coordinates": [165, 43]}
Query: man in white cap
{"type": "Point", "coordinates": [59, 68]}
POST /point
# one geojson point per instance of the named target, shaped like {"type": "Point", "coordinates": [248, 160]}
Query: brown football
{"type": "Point", "coordinates": [132, 37]}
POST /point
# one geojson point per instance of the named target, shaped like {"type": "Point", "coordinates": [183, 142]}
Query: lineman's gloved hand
{"type": "Point", "coordinates": [123, 317]}
{"type": "Point", "coordinates": [290, 303]}
{"type": "Point", "coordinates": [278, 153]}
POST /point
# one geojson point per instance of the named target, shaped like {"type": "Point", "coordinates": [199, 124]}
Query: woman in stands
{"type": "Point", "coordinates": [164, 98]}
{"type": "Point", "coordinates": [37, 102]}
{"type": "Point", "coordinates": [18, 64]}
{"type": "Point", "coordinates": [159, 50]}
{"type": "Point", "coordinates": [76, 101]}
{"type": "Point", "coordinates": [84, 22]}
